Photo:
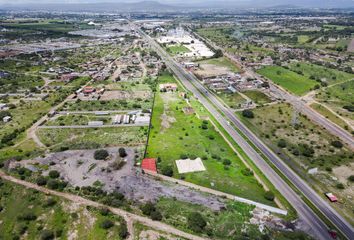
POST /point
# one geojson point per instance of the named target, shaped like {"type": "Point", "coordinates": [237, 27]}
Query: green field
{"type": "Point", "coordinates": [303, 39]}
{"type": "Point", "coordinates": [177, 49]}
{"type": "Point", "coordinates": [320, 73]}
{"type": "Point", "coordinates": [218, 35]}
{"type": "Point", "coordinates": [291, 81]}
{"type": "Point", "coordinates": [79, 119]}
{"type": "Point", "coordinates": [328, 114]}
{"type": "Point", "coordinates": [233, 100]}
{"type": "Point", "coordinates": [257, 97]}
{"type": "Point", "coordinates": [222, 62]}
{"type": "Point", "coordinates": [59, 139]}
{"type": "Point", "coordinates": [28, 214]}
{"type": "Point", "coordinates": [171, 138]}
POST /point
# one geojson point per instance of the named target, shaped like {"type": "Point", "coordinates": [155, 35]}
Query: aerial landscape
{"type": "Point", "coordinates": [169, 120]}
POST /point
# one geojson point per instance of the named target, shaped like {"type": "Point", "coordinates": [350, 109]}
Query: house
{"type": "Point", "coordinates": [6, 119]}
{"type": "Point", "coordinates": [117, 119]}
{"type": "Point", "coordinates": [3, 106]}
{"type": "Point", "coordinates": [88, 90]}
{"type": "Point", "coordinates": [68, 77]}
{"type": "Point", "coordinates": [149, 164]}
{"type": "Point", "coordinates": [331, 197]}
{"type": "Point", "coordinates": [168, 87]}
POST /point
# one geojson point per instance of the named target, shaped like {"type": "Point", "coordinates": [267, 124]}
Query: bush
{"type": "Point", "coordinates": [123, 230]}
{"type": "Point", "coordinates": [247, 113]}
{"type": "Point", "coordinates": [50, 202]}
{"type": "Point", "coordinates": [104, 211]}
{"type": "Point", "coordinates": [183, 156]}
{"type": "Point", "coordinates": [106, 224]}
{"type": "Point", "coordinates": [196, 222]}
{"type": "Point", "coordinates": [54, 174]}
{"type": "Point", "coordinates": [247, 172]}
{"type": "Point", "coordinates": [122, 152]}
{"type": "Point", "coordinates": [167, 171]}
{"type": "Point", "coordinates": [47, 235]}
{"type": "Point", "coordinates": [226, 162]}
{"type": "Point", "coordinates": [337, 144]}
{"type": "Point", "coordinates": [340, 186]}
{"type": "Point", "coordinates": [52, 184]}
{"type": "Point", "coordinates": [101, 154]}
{"type": "Point", "coordinates": [27, 217]}
{"type": "Point", "coordinates": [148, 208]}
{"type": "Point", "coordinates": [156, 215]}
{"type": "Point", "coordinates": [282, 143]}
{"type": "Point", "coordinates": [269, 195]}
{"type": "Point", "coordinates": [41, 181]}
{"type": "Point", "coordinates": [351, 178]}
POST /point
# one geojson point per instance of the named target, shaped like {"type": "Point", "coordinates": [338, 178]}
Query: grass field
{"type": "Point", "coordinates": [60, 218]}
{"type": "Point", "coordinates": [234, 100]}
{"type": "Point", "coordinates": [171, 138]}
{"type": "Point", "coordinates": [257, 97]}
{"type": "Point", "coordinates": [328, 114]}
{"type": "Point", "coordinates": [291, 81]}
{"type": "Point", "coordinates": [303, 39]}
{"type": "Point", "coordinates": [218, 35]}
{"type": "Point", "coordinates": [76, 119]}
{"type": "Point", "coordinates": [222, 62]}
{"type": "Point", "coordinates": [58, 139]}
{"type": "Point", "coordinates": [328, 75]}
{"type": "Point", "coordinates": [177, 49]}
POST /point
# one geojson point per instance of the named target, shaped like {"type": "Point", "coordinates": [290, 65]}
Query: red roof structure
{"type": "Point", "coordinates": [149, 164]}
{"type": "Point", "coordinates": [331, 197]}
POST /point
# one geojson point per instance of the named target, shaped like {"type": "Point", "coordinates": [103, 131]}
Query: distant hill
{"type": "Point", "coordinates": [94, 7]}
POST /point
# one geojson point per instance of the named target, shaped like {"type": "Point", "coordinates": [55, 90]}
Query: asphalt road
{"type": "Point", "coordinates": [319, 229]}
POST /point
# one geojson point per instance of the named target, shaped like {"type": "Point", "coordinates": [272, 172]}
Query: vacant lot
{"type": "Point", "coordinates": [29, 214]}
{"type": "Point", "coordinates": [175, 135]}
{"type": "Point", "coordinates": [108, 105]}
{"type": "Point", "coordinates": [221, 62]}
{"type": "Point", "coordinates": [234, 100]}
{"type": "Point", "coordinates": [62, 139]}
{"type": "Point", "coordinates": [291, 81]}
{"type": "Point", "coordinates": [177, 49]}
{"type": "Point", "coordinates": [257, 97]}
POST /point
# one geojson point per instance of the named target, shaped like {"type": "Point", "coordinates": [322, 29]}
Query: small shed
{"type": "Point", "coordinates": [149, 164]}
{"type": "Point", "coordinates": [331, 197]}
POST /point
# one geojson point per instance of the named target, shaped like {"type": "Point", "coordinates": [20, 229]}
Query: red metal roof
{"type": "Point", "coordinates": [149, 164]}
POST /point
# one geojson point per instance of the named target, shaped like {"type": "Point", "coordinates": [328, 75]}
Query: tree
{"type": "Point", "coordinates": [351, 178]}
{"type": "Point", "coordinates": [122, 152]}
{"type": "Point", "coordinates": [106, 224]}
{"type": "Point", "coordinates": [226, 162]}
{"type": "Point", "coordinates": [282, 143]}
{"type": "Point", "coordinates": [269, 195]}
{"type": "Point", "coordinates": [41, 181]}
{"type": "Point", "coordinates": [47, 235]}
{"type": "Point", "coordinates": [101, 154]}
{"type": "Point", "coordinates": [247, 113]}
{"type": "Point", "coordinates": [196, 222]}
{"type": "Point", "coordinates": [52, 184]}
{"type": "Point", "coordinates": [340, 186]}
{"type": "Point", "coordinates": [167, 171]}
{"type": "Point", "coordinates": [337, 144]}
{"type": "Point", "coordinates": [148, 208]}
{"type": "Point", "coordinates": [218, 54]}
{"type": "Point", "coordinates": [54, 174]}
{"type": "Point", "coordinates": [123, 230]}
{"type": "Point", "coordinates": [156, 215]}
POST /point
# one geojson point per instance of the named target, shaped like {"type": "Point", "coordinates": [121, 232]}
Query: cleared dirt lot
{"type": "Point", "coordinates": [211, 70]}
{"type": "Point", "coordinates": [79, 168]}
{"type": "Point", "coordinates": [123, 95]}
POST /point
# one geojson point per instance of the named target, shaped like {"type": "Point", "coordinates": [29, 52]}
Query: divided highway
{"type": "Point", "coordinates": [215, 107]}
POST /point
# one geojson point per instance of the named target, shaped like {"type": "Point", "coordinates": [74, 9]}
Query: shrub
{"type": "Point", "coordinates": [54, 174]}
{"type": "Point", "coordinates": [123, 230]}
{"type": "Point", "coordinates": [47, 235]}
{"type": "Point", "coordinates": [269, 195]}
{"type": "Point", "coordinates": [340, 186]}
{"type": "Point", "coordinates": [104, 211]}
{"type": "Point", "coordinates": [183, 156]}
{"type": "Point", "coordinates": [52, 184]}
{"type": "Point", "coordinates": [148, 208]}
{"type": "Point", "coordinates": [337, 144]}
{"type": "Point", "coordinates": [101, 154]}
{"type": "Point", "coordinates": [351, 178]}
{"type": "Point", "coordinates": [156, 215]}
{"type": "Point", "coordinates": [167, 171]}
{"type": "Point", "coordinates": [196, 222]}
{"type": "Point", "coordinates": [106, 224]}
{"type": "Point", "coordinates": [226, 162]}
{"type": "Point", "coordinates": [41, 181]}
{"type": "Point", "coordinates": [50, 202]}
{"type": "Point", "coordinates": [282, 143]}
{"type": "Point", "coordinates": [247, 172]}
{"type": "Point", "coordinates": [122, 152]}
{"type": "Point", "coordinates": [27, 217]}
{"type": "Point", "coordinates": [247, 113]}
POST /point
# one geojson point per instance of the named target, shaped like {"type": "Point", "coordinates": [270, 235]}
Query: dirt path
{"type": "Point", "coordinates": [129, 217]}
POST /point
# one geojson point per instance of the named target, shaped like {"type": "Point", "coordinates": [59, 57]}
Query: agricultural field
{"type": "Point", "coordinates": [30, 214]}
{"type": "Point", "coordinates": [78, 119]}
{"type": "Point", "coordinates": [218, 35]}
{"type": "Point", "coordinates": [326, 75]}
{"type": "Point", "coordinates": [291, 81]}
{"type": "Point", "coordinates": [172, 139]}
{"type": "Point", "coordinates": [91, 138]}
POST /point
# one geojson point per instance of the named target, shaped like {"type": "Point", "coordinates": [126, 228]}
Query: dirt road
{"type": "Point", "coordinates": [129, 217]}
